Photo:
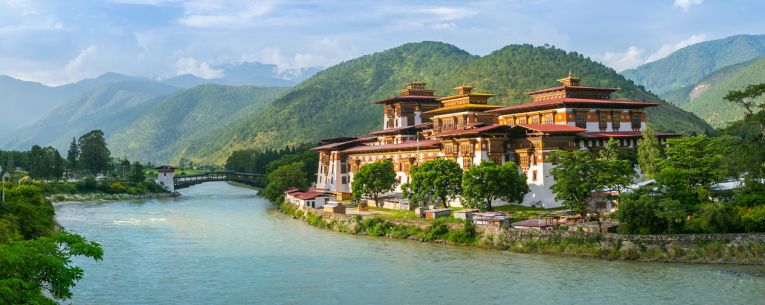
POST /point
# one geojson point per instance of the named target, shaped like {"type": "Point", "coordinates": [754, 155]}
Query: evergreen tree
{"type": "Point", "coordinates": [73, 154]}
{"type": "Point", "coordinates": [94, 155]}
{"type": "Point", "coordinates": [137, 173]}
{"type": "Point", "coordinates": [649, 153]}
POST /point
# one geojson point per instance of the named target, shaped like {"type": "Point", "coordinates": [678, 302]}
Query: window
{"type": "Point", "coordinates": [534, 175]}
{"type": "Point", "coordinates": [548, 118]}
{"type": "Point", "coordinates": [581, 119]}
{"type": "Point", "coordinates": [535, 119]}
{"type": "Point", "coordinates": [345, 180]}
{"type": "Point", "coordinates": [616, 121]}
{"type": "Point", "coordinates": [522, 120]}
{"type": "Point", "coordinates": [636, 121]}
{"type": "Point", "coordinates": [603, 121]}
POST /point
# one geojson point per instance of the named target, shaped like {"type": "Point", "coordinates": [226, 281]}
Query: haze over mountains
{"type": "Point", "coordinates": [31, 101]}
{"type": "Point", "coordinates": [697, 77]}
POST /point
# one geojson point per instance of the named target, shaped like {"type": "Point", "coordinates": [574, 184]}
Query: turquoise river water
{"type": "Point", "coordinates": [221, 244]}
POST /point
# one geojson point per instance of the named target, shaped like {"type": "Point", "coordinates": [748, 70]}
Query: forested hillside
{"type": "Point", "coordinates": [164, 129]}
{"type": "Point", "coordinates": [336, 101]}
{"type": "Point", "coordinates": [691, 64]}
{"type": "Point", "coordinates": [705, 98]}
{"type": "Point", "coordinates": [107, 107]}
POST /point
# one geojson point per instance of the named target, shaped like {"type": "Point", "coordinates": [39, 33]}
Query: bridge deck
{"type": "Point", "coordinates": [246, 178]}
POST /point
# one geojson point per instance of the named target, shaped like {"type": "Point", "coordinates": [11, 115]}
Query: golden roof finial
{"type": "Point", "coordinates": [570, 80]}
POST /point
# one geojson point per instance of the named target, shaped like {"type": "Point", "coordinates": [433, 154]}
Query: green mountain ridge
{"type": "Point", "coordinates": [691, 64]}
{"type": "Point", "coordinates": [166, 127]}
{"type": "Point", "coordinates": [106, 107]}
{"type": "Point", "coordinates": [706, 98]}
{"type": "Point", "coordinates": [336, 101]}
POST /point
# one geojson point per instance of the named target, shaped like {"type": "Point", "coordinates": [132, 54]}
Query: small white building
{"type": "Point", "coordinates": [307, 199]}
{"type": "Point", "coordinates": [165, 175]}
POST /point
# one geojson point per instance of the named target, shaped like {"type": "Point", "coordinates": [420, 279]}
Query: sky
{"type": "Point", "coordinates": [62, 41]}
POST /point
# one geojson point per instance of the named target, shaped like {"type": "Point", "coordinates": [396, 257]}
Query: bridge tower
{"type": "Point", "coordinates": [165, 175]}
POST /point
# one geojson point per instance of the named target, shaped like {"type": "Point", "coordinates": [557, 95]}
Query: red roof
{"type": "Point", "coordinates": [421, 98]}
{"type": "Point", "coordinates": [572, 87]}
{"type": "Point", "coordinates": [307, 195]}
{"type": "Point", "coordinates": [568, 101]}
{"type": "Point", "coordinates": [291, 190]}
{"type": "Point", "coordinates": [533, 223]}
{"type": "Point", "coordinates": [399, 146]}
{"type": "Point", "coordinates": [471, 131]}
{"type": "Point", "coordinates": [336, 145]}
{"type": "Point", "coordinates": [398, 129]}
{"type": "Point", "coordinates": [552, 128]}
{"type": "Point", "coordinates": [622, 134]}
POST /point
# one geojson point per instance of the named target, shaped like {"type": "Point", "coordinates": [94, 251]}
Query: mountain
{"type": "Point", "coordinates": [705, 98]}
{"type": "Point", "coordinates": [29, 101]}
{"type": "Point", "coordinates": [164, 129]}
{"type": "Point", "coordinates": [246, 74]}
{"type": "Point", "coordinates": [107, 107]}
{"type": "Point", "coordinates": [689, 65]}
{"type": "Point", "coordinates": [336, 101]}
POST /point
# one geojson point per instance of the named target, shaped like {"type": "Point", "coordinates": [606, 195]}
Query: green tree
{"type": "Point", "coordinates": [746, 99]}
{"type": "Point", "coordinates": [374, 179]}
{"type": "Point", "coordinates": [32, 270]}
{"type": "Point", "coordinates": [137, 173]}
{"type": "Point", "coordinates": [488, 181]}
{"type": "Point", "coordinates": [649, 153]}
{"type": "Point", "coordinates": [94, 155]}
{"type": "Point", "coordinates": [577, 175]}
{"type": "Point", "coordinates": [73, 154]}
{"type": "Point", "coordinates": [282, 178]}
{"type": "Point", "coordinates": [438, 179]}
{"type": "Point", "coordinates": [617, 173]}
{"type": "Point", "coordinates": [695, 160]}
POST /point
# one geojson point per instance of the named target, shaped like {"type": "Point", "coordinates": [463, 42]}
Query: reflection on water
{"type": "Point", "coordinates": [220, 244]}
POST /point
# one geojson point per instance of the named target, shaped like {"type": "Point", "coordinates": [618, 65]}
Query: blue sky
{"type": "Point", "coordinates": [57, 42]}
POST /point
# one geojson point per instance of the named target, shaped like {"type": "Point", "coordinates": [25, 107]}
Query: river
{"type": "Point", "coordinates": [222, 244]}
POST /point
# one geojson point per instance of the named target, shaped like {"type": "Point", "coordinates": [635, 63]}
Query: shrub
{"type": "Point", "coordinates": [116, 188]}
{"type": "Point", "coordinates": [718, 218]}
{"type": "Point", "coordinates": [753, 219]}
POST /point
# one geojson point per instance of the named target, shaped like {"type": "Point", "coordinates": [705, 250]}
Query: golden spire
{"type": "Point", "coordinates": [570, 80]}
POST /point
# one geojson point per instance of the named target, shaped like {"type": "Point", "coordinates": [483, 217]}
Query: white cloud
{"type": "Point", "coordinates": [189, 65]}
{"type": "Point", "coordinates": [207, 15]}
{"type": "Point", "coordinates": [668, 48]}
{"type": "Point", "coordinates": [75, 69]}
{"type": "Point", "coordinates": [623, 60]}
{"type": "Point", "coordinates": [633, 56]}
{"type": "Point", "coordinates": [686, 4]}
{"type": "Point", "coordinates": [444, 13]}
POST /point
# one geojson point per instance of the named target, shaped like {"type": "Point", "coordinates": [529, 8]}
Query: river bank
{"type": "Point", "coordinates": [743, 249]}
{"type": "Point", "coordinates": [87, 197]}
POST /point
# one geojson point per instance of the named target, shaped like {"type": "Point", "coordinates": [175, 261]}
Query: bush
{"type": "Point", "coordinates": [718, 218]}
{"type": "Point", "coordinates": [753, 219]}
{"type": "Point", "coordinates": [465, 235]}
{"type": "Point", "coordinates": [116, 188]}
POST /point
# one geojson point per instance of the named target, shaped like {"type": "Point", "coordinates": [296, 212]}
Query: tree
{"type": "Point", "coordinates": [649, 153]}
{"type": "Point", "coordinates": [282, 178]}
{"type": "Point", "coordinates": [577, 174]}
{"type": "Point", "coordinates": [488, 181]}
{"type": "Point", "coordinates": [73, 154]}
{"type": "Point", "coordinates": [32, 270]}
{"type": "Point", "coordinates": [137, 173]}
{"type": "Point", "coordinates": [617, 173]}
{"type": "Point", "coordinates": [438, 179]}
{"type": "Point", "coordinates": [374, 179]}
{"type": "Point", "coordinates": [746, 99]}
{"type": "Point", "coordinates": [94, 155]}
{"type": "Point", "coordinates": [698, 159]}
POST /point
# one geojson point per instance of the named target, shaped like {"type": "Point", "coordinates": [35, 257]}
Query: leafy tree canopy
{"type": "Point", "coordinates": [373, 180]}
{"type": "Point", "coordinates": [438, 180]}
{"type": "Point", "coordinates": [488, 181]}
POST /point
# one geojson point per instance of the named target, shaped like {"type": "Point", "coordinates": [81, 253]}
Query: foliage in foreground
{"type": "Point", "coordinates": [35, 259]}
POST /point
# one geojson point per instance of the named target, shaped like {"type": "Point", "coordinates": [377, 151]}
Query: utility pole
{"type": "Point", "coordinates": [6, 175]}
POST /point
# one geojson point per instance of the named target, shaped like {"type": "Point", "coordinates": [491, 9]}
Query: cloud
{"type": "Point", "coordinates": [633, 56]}
{"type": "Point", "coordinates": [620, 61]}
{"type": "Point", "coordinates": [75, 69]}
{"type": "Point", "coordinates": [207, 15]}
{"type": "Point", "coordinates": [189, 65]}
{"type": "Point", "coordinates": [444, 13]}
{"type": "Point", "coordinates": [668, 48]}
{"type": "Point", "coordinates": [686, 4]}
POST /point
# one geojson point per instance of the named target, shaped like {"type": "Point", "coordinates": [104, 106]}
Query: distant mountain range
{"type": "Point", "coordinates": [336, 101]}
{"type": "Point", "coordinates": [697, 77]}
{"type": "Point", "coordinates": [24, 102]}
